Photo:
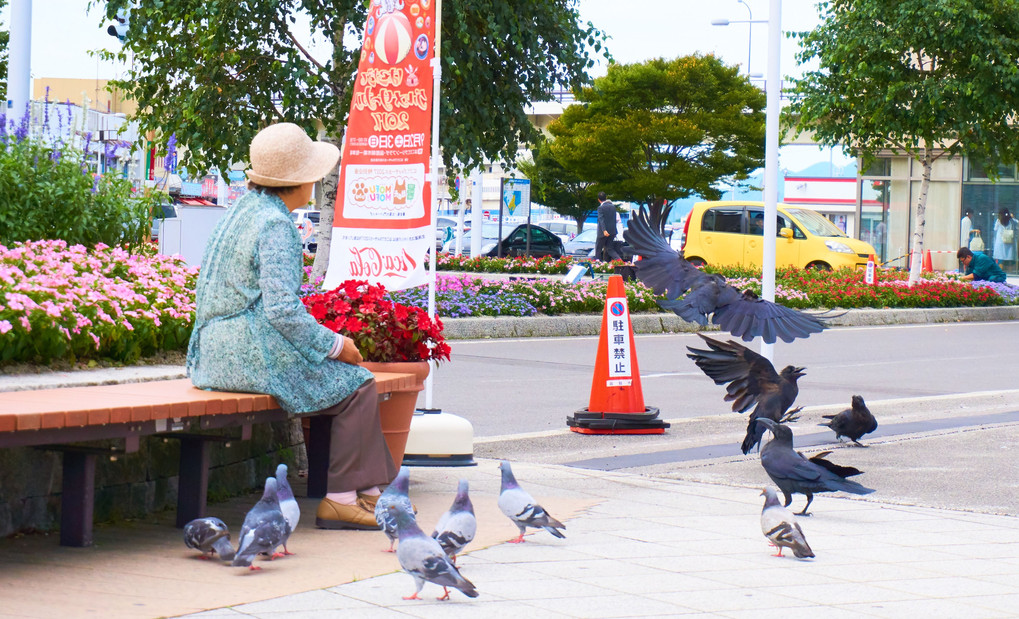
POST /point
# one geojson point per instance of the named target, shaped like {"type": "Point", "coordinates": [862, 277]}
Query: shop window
{"type": "Point", "coordinates": [975, 170]}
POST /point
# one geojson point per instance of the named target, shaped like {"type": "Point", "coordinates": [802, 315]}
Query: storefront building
{"type": "Point", "coordinates": [887, 192]}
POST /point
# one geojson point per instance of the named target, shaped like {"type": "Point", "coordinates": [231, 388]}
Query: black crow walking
{"type": "Point", "coordinates": [853, 422]}
{"type": "Point", "coordinates": [794, 473]}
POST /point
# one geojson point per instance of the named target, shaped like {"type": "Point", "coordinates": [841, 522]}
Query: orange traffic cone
{"type": "Point", "coordinates": [870, 275]}
{"type": "Point", "coordinates": [617, 401]}
{"type": "Point", "coordinates": [928, 266]}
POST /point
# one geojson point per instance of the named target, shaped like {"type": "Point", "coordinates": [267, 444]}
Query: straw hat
{"type": "Point", "coordinates": [283, 155]}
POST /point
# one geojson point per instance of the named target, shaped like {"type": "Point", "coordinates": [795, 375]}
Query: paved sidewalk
{"type": "Point", "coordinates": [655, 547]}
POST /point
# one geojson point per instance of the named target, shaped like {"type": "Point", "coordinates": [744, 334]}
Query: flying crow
{"type": "Point", "coordinates": [742, 314]}
{"type": "Point", "coordinates": [751, 379]}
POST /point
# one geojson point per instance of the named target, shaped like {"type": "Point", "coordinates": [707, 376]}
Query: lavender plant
{"type": "Point", "coordinates": [49, 191]}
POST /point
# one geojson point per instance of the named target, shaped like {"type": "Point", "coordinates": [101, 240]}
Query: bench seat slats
{"type": "Point", "coordinates": [133, 402]}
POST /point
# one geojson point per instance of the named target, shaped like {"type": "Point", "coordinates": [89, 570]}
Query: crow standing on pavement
{"type": "Point", "coordinates": [742, 314]}
{"type": "Point", "coordinates": [853, 422]}
{"type": "Point", "coordinates": [794, 473]}
{"type": "Point", "coordinates": [752, 380]}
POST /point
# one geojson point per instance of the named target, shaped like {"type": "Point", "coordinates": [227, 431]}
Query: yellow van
{"type": "Point", "coordinates": [733, 233]}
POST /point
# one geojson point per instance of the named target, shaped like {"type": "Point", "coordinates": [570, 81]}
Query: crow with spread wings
{"type": "Point", "coordinates": [742, 314]}
{"type": "Point", "coordinates": [751, 381]}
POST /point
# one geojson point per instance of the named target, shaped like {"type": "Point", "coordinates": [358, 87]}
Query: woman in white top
{"type": "Point", "coordinates": [1004, 237]}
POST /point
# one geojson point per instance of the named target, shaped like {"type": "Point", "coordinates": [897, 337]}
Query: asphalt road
{"type": "Point", "coordinates": [507, 387]}
{"type": "Point", "coordinates": [946, 397]}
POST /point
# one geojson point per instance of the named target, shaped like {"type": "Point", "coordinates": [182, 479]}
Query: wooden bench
{"type": "Point", "coordinates": [63, 418]}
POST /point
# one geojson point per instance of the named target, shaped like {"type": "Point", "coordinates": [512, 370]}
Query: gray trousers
{"type": "Point", "coordinates": [358, 455]}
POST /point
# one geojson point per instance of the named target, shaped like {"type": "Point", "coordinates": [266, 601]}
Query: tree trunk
{"type": "Point", "coordinates": [324, 234]}
{"type": "Point", "coordinates": [916, 263]}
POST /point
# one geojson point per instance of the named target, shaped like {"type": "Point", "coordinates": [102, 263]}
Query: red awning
{"type": "Point", "coordinates": [196, 202]}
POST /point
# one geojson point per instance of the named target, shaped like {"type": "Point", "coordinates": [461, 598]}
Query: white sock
{"type": "Point", "coordinates": [343, 498]}
{"type": "Point", "coordinates": [373, 491]}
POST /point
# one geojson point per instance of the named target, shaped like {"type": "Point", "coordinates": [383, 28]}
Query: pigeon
{"type": "Point", "coordinates": [423, 558]}
{"type": "Point", "coordinates": [394, 494]}
{"type": "Point", "coordinates": [742, 314]}
{"type": "Point", "coordinates": [209, 535]}
{"type": "Point", "coordinates": [457, 526]}
{"type": "Point", "coordinates": [521, 508]}
{"type": "Point", "coordinates": [793, 473]}
{"type": "Point", "coordinates": [264, 528]}
{"type": "Point", "coordinates": [752, 380]}
{"type": "Point", "coordinates": [853, 422]}
{"type": "Point", "coordinates": [780, 527]}
{"type": "Point", "coordinates": [288, 504]}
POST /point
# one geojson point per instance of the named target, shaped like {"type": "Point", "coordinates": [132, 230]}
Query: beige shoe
{"type": "Point", "coordinates": [333, 515]}
{"type": "Point", "coordinates": [368, 500]}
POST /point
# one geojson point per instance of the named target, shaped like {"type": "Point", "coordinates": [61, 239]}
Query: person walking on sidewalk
{"type": "Point", "coordinates": [253, 334]}
{"type": "Point", "coordinates": [605, 243]}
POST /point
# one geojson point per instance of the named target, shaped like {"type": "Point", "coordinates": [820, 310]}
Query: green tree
{"type": "Point", "coordinates": [663, 129]}
{"type": "Point", "coordinates": [555, 187]}
{"type": "Point", "coordinates": [925, 79]}
{"type": "Point", "coordinates": [216, 71]}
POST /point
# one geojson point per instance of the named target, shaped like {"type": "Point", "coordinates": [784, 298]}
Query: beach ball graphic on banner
{"type": "Point", "coordinates": [393, 38]}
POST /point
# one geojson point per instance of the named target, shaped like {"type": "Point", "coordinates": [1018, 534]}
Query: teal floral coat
{"type": "Point", "coordinates": [252, 333]}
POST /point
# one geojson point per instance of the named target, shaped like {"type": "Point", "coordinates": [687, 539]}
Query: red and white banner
{"type": "Point", "coordinates": [382, 228]}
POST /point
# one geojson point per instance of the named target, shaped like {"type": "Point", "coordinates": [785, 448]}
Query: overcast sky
{"type": "Point", "coordinates": [63, 32]}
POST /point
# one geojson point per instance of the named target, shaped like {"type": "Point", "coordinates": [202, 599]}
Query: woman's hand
{"type": "Point", "coordinates": [349, 353]}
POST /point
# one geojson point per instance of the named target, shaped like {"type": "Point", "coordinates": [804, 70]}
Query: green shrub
{"type": "Point", "coordinates": [47, 191]}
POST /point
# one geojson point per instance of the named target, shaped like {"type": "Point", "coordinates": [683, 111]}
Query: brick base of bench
{"type": "Point", "coordinates": [60, 419]}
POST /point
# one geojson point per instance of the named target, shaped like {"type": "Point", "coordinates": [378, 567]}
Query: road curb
{"type": "Point", "coordinates": [590, 324]}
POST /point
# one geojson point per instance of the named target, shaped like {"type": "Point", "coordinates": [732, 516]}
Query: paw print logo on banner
{"type": "Point", "coordinates": [360, 191]}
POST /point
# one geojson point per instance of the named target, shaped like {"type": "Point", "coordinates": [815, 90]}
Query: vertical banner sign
{"type": "Point", "coordinates": [382, 228]}
{"type": "Point", "coordinates": [620, 372]}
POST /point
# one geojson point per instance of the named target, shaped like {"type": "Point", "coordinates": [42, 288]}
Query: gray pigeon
{"type": "Point", "coordinates": [521, 508]}
{"type": "Point", "coordinates": [394, 494]}
{"type": "Point", "coordinates": [780, 527]}
{"type": "Point", "coordinates": [457, 526]}
{"type": "Point", "coordinates": [288, 504]}
{"type": "Point", "coordinates": [792, 472]}
{"type": "Point", "coordinates": [423, 558]}
{"type": "Point", "coordinates": [264, 528]}
{"type": "Point", "coordinates": [853, 422]}
{"type": "Point", "coordinates": [209, 535]}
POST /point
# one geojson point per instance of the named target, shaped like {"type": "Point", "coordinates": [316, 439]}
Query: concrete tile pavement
{"type": "Point", "coordinates": [657, 547]}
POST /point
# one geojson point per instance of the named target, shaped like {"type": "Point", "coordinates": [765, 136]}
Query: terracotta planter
{"type": "Point", "coordinates": [397, 412]}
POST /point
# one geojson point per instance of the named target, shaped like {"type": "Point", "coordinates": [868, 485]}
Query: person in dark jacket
{"type": "Point", "coordinates": [604, 244]}
{"type": "Point", "coordinates": [979, 266]}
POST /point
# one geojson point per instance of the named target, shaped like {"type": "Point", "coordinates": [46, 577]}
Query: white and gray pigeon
{"type": "Point", "coordinates": [457, 526]}
{"type": "Point", "coordinates": [210, 536]}
{"type": "Point", "coordinates": [394, 494]}
{"type": "Point", "coordinates": [780, 527]}
{"type": "Point", "coordinates": [521, 508]}
{"type": "Point", "coordinates": [423, 558]}
{"type": "Point", "coordinates": [288, 504]}
{"type": "Point", "coordinates": [264, 528]}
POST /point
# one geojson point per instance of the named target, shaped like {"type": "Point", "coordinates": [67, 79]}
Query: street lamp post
{"type": "Point", "coordinates": [772, 88]}
{"type": "Point", "coordinates": [750, 32]}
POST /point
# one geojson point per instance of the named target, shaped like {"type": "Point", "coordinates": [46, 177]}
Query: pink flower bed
{"type": "Point", "coordinates": [61, 302]}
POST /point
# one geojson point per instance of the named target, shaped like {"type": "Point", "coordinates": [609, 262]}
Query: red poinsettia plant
{"type": "Point", "coordinates": [383, 331]}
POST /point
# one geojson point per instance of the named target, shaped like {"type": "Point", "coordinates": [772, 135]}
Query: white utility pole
{"type": "Point", "coordinates": [773, 89]}
{"type": "Point", "coordinates": [19, 60]}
